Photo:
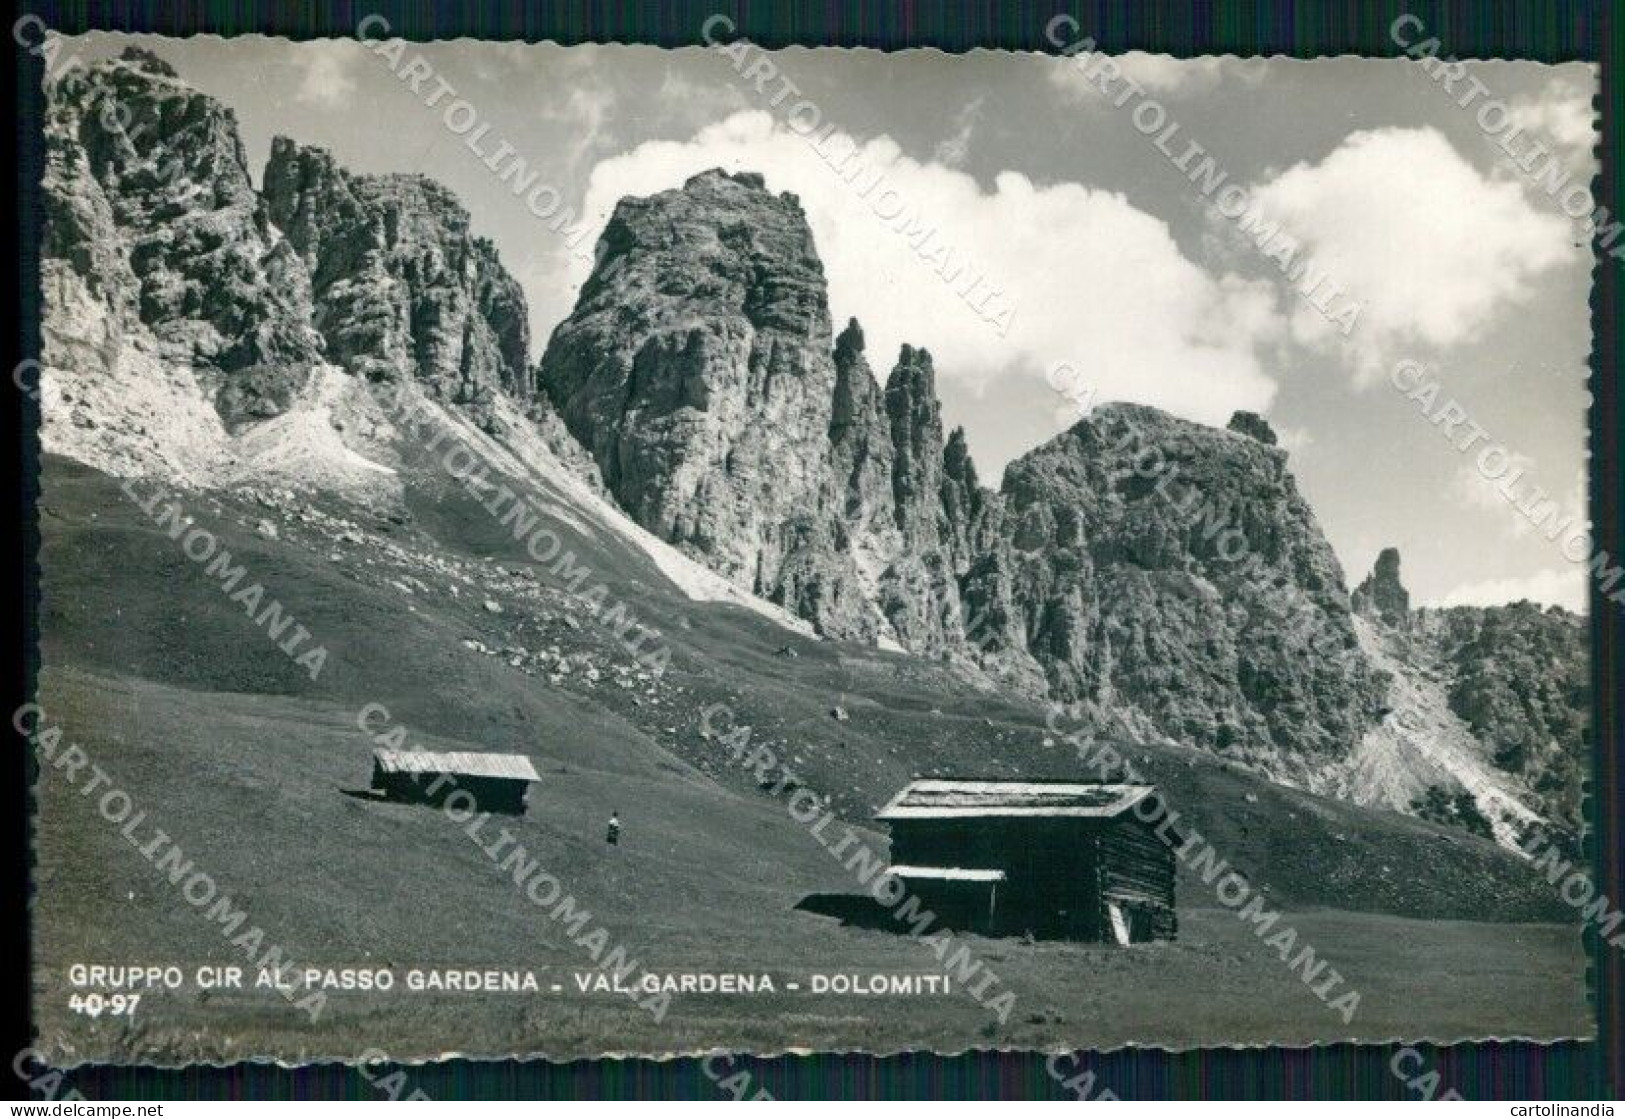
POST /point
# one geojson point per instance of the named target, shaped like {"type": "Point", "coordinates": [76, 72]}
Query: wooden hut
{"type": "Point", "coordinates": [497, 782]}
{"type": "Point", "coordinates": [1047, 859]}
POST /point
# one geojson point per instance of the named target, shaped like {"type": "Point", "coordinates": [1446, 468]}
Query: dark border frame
{"type": "Point", "coordinates": [1541, 30]}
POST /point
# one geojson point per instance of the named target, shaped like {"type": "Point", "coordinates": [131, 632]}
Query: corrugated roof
{"type": "Point", "coordinates": [929, 799]}
{"type": "Point", "coordinates": [947, 873]}
{"type": "Point", "coordinates": [516, 767]}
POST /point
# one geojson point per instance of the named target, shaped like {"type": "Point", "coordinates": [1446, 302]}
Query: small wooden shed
{"type": "Point", "coordinates": [1049, 859]}
{"type": "Point", "coordinates": [497, 782]}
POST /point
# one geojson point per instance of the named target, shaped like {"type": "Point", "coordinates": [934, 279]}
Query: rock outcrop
{"type": "Point", "coordinates": [1160, 574]}
{"type": "Point", "coordinates": [402, 287]}
{"type": "Point", "coordinates": [1154, 566]}
{"type": "Point", "coordinates": [1253, 425]}
{"type": "Point", "coordinates": [699, 370]}
{"type": "Point", "coordinates": [1518, 678]}
{"type": "Point", "coordinates": [166, 269]}
{"type": "Point", "coordinates": [1381, 594]}
{"type": "Point", "coordinates": [150, 207]}
{"type": "Point", "coordinates": [1521, 680]}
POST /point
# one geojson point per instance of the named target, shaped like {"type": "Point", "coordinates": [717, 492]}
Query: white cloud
{"type": "Point", "coordinates": [1557, 586]}
{"type": "Point", "coordinates": [1432, 249]}
{"type": "Point", "coordinates": [324, 66]}
{"type": "Point", "coordinates": [682, 97]}
{"type": "Point", "coordinates": [1091, 280]}
{"type": "Point", "coordinates": [1522, 479]}
{"type": "Point", "coordinates": [1164, 75]}
{"type": "Point", "coordinates": [953, 150]}
{"type": "Point", "coordinates": [1562, 117]}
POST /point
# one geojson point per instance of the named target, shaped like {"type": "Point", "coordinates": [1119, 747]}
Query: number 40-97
{"type": "Point", "coordinates": [95, 1005]}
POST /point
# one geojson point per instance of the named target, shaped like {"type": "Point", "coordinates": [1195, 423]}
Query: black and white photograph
{"type": "Point", "coordinates": [604, 550]}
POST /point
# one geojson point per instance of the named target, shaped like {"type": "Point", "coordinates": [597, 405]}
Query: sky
{"type": "Point", "coordinates": [1099, 265]}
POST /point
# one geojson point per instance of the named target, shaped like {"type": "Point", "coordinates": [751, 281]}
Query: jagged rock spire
{"type": "Point", "coordinates": [1381, 594]}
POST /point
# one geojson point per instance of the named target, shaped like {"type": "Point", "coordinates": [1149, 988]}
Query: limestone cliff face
{"type": "Point", "coordinates": [166, 270]}
{"type": "Point", "coordinates": [919, 591]}
{"type": "Point", "coordinates": [1521, 680]}
{"type": "Point", "coordinates": [151, 210]}
{"type": "Point", "coordinates": [1157, 567]}
{"type": "Point", "coordinates": [403, 288]}
{"type": "Point", "coordinates": [697, 370]}
{"type": "Point", "coordinates": [1148, 568]}
{"type": "Point", "coordinates": [858, 490]}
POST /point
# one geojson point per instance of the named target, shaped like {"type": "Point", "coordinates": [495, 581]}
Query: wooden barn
{"type": "Point", "coordinates": [1053, 860]}
{"type": "Point", "coordinates": [498, 782]}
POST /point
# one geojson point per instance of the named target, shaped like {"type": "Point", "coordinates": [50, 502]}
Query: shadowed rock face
{"type": "Point", "coordinates": [149, 201]}
{"type": "Point", "coordinates": [152, 217]}
{"type": "Point", "coordinates": [402, 286]}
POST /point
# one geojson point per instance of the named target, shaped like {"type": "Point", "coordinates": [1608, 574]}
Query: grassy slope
{"type": "Point", "coordinates": [238, 755]}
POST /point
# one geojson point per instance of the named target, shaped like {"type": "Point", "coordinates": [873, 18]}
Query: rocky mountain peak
{"type": "Point", "coordinates": [1172, 570]}
{"type": "Point", "coordinates": [1381, 594]}
{"type": "Point", "coordinates": [1140, 565]}
{"type": "Point", "coordinates": [403, 285]}
{"type": "Point", "coordinates": [967, 509]}
{"type": "Point", "coordinates": [855, 407]}
{"type": "Point", "coordinates": [152, 210]}
{"type": "Point", "coordinates": [698, 369]}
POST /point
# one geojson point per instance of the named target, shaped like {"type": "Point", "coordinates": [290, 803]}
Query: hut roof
{"type": "Point", "coordinates": [947, 873]}
{"type": "Point", "coordinates": [931, 799]}
{"type": "Point", "coordinates": [514, 767]}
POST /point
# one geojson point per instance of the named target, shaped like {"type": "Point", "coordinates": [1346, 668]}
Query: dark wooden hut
{"type": "Point", "coordinates": [498, 782]}
{"type": "Point", "coordinates": [1048, 859]}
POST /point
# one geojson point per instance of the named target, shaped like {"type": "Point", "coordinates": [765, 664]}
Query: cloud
{"type": "Point", "coordinates": [1431, 249]}
{"type": "Point", "coordinates": [953, 150]}
{"type": "Point", "coordinates": [1558, 586]}
{"type": "Point", "coordinates": [1159, 75]}
{"type": "Point", "coordinates": [1546, 509]}
{"type": "Point", "coordinates": [506, 58]}
{"type": "Point", "coordinates": [1472, 489]}
{"type": "Point", "coordinates": [1562, 116]}
{"type": "Point", "coordinates": [1164, 75]}
{"type": "Point", "coordinates": [681, 97]}
{"type": "Point", "coordinates": [324, 67]}
{"type": "Point", "coordinates": [1087, 278]}
{"type": "Point", "coordinates": [585, 112]}
{"type": "Point", "coordinates": [1294, 439]}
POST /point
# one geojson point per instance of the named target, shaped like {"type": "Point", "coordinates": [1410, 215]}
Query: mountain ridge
{"type": "Point", "coordinates": [700, 385]}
